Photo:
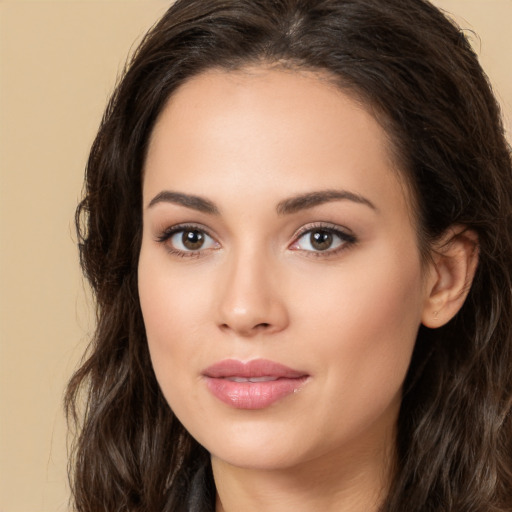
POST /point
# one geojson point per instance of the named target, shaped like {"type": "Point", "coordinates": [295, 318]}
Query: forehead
{"type": "Point", "coordinates": [251, 127]}
{"type": "Point", "coordinates": [301, 98]}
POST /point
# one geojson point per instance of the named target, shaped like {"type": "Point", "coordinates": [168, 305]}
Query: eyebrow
{"type": "Point", "coordinates": [312, 199]}
{"type": "Point", "coordinates": [285, 207]}
{"type": "Point", "coordinates": [189, 201]}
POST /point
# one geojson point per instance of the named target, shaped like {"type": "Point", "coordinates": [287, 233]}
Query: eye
{"type": "Point", "coordinates": [322, 239]}
{"type": "Point", "coordinates": [187, 240]}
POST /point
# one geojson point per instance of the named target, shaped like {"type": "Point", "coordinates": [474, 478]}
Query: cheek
{"type": "Point", "coordinates": [170, 297]}
{"type": "Point", "coordinates": [365, 327]}
{"type": "Point", "coordinates": [170, 317]}
{"type": "Point", "coordinates": [170, 302]}
{"type": "Point", "coordinates": [384, 292]}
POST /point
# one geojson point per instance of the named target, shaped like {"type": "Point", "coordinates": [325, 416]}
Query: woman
{"type": "Point", "coordinates": [297, 224]}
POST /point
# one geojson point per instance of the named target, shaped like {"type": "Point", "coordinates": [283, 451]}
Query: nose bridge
{"type": "Point", "coordinates": [250, 301]}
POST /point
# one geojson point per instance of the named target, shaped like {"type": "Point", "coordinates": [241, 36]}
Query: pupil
{"type": "Point", "coordinates": [193, 240]}
{"type": "Point", "coordinates": [321, 240]}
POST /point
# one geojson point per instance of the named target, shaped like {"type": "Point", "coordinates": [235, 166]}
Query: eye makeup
{"type": "Point", "coordinates": [322, 239]}
{"type": "Point", "coordinates": [319, 239]}
{"type": "Point", "coordinates": [187, 240]}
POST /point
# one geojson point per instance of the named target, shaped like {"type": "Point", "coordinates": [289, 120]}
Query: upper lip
{"type": "Point", "coordinates": [253, 368]}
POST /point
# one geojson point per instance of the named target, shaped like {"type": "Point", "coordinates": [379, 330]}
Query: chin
{"type": "Point", "coordinates": [259, 459]}
{"type": "Point", "coordinates": [257, 448]}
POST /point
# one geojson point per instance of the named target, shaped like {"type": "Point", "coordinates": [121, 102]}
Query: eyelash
{"type": "Point", "coordinates": [167, 234]}
{"type": "Point", "coordinates": [346, 240]}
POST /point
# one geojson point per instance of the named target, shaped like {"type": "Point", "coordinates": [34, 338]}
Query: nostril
{"type": "Point", "coordinates": [254, 328]}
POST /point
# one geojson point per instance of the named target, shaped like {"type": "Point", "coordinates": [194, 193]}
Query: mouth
{"type": "Point", "coordinates": [251, 379]}
{"type": "Point", "coordinates": [255, 384]}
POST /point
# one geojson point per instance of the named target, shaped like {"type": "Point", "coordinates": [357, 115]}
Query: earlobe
{"type": "Point", "coordinates": [453, 267]}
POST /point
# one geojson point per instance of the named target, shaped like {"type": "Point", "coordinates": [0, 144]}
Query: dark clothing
{"type": "Point", "coordinates": [202, 493]}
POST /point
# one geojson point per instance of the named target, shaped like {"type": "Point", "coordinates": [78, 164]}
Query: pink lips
{"type": "Point", "coordinates": [252, 385]}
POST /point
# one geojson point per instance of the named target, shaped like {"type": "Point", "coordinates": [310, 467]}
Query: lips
{"type": "Point", "coordinates": [255, 384]}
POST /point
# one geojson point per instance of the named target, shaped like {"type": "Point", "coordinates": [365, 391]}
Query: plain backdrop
{"type": "Point", "coordinates": [59, 61]}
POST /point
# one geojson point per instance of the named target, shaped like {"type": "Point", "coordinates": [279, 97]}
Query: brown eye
{"type": "Point", "coordinates": [321, 240]}
{"type": "Point", "coordinates": [192, 239]}
{"type": "Point", "coordinates": [187, 241]}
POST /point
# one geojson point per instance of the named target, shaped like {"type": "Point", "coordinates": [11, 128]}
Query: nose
{"type": "Point", "coordinates": [251, 301]}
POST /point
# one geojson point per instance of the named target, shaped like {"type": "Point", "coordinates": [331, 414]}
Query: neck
{"type": "Point", "coordinates": [356, 480]}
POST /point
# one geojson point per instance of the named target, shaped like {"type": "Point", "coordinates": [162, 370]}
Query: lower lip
{"type": "Point", "coordinates": [253, 395]}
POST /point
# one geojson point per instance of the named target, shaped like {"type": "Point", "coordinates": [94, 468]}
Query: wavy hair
{"type": "Point", "coordinates": [417, 73]}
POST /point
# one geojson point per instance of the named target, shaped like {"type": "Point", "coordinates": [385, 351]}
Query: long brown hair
{"type": "Point", "coordinates": [415, 69]}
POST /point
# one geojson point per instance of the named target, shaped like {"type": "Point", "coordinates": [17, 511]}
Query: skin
{"type": "Point", "coordinates": [347, 316]}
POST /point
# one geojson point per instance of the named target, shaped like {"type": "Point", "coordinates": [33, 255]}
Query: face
{"type": "Point", "coordinates": [280, 278]}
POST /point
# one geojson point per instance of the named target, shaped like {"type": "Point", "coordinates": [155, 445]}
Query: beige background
{"type": "Point", "coordinates": [58, 63]}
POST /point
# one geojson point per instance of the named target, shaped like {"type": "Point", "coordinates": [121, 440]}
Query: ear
{"type": "Point", "coordinates": [451, 273]}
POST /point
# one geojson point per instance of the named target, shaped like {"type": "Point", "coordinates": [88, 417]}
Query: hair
{"type": "Point", "coordinates": [417, 73]}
